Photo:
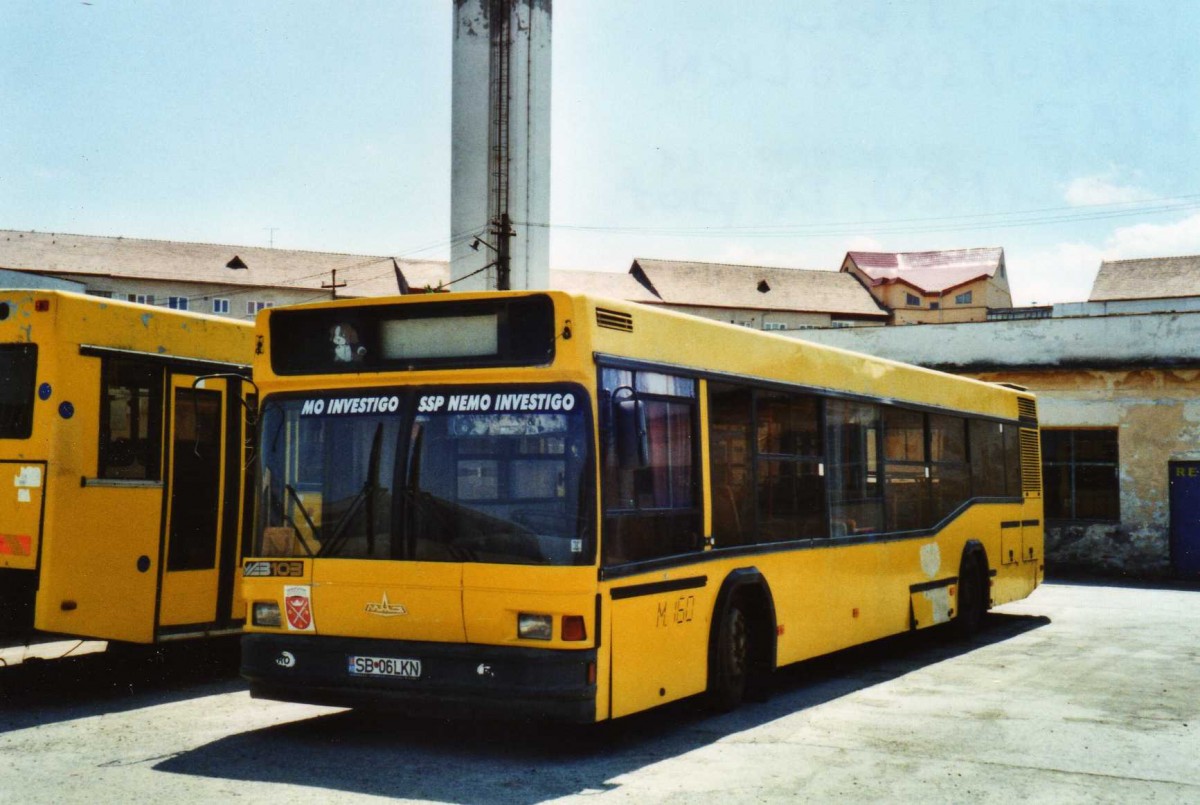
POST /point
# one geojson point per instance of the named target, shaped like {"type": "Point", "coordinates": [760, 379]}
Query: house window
{"type": "Point", "coordinates": [220, 306]}
{"type": "Point", "coordinates": [1079, 471]}
{"type": "Point", "coordinates": [963, 298]}
{"type": "Point", "coordinates": [177, 302]}
{"type": "Point", "coordinates": [774, 325]}
{"type": "Point", "coordinates": [141, 298]}
{"type": "Point", "coordinates": [254, 306]}
{"type": "Point", "coordinates": [913, 300]}
{"type": "Point", "coordinates": [101, 294]}
{"type": "Point", "coordinates": [934, 305]}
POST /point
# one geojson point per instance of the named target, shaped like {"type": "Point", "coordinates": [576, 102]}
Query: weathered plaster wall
{"type": "Point", "coordinates": [1157, 414]}
{"type": "Point", "coordinates": [949, 313]}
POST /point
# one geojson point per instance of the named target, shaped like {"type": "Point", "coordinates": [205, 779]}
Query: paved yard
{"type": "Point", "coordinates": [1079, 694]}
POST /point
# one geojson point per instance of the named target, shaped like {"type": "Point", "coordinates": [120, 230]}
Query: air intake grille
{"type": "Point", "coordinates": [614, 320]}
{"type": "Point", "coordinates": [1031, 465]}
{"type": "Point", "coordinates": [1027, 411]}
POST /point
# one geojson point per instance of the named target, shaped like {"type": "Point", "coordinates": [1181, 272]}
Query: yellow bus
{"type": "Point", "coordinates": [550, 505]}
{"type": "Point", "coordinates": [122, 476]}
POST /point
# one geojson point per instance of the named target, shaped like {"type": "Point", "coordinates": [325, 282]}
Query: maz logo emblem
{"type": "Point", "coordinates": [385, 608]}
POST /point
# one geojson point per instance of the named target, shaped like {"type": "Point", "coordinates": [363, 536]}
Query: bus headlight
{"type": "Point", "coordinates": [535, 627]}
{"type": "Point", "coordinates": [266, 613]}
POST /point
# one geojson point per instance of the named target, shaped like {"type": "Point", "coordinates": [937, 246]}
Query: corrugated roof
{"type": "Point", "coordinates": [930, 271]}
{"type": "Point", "coordinates": [364, 275]}
{"type": "Point", "coordinates": [611, 284]}
{"type": "Point", "coordinates": [163, 260]}
{"type": "Point", "coordinates": [757, 287]}
{"type": "Point", "coordinates": [1152, 278]}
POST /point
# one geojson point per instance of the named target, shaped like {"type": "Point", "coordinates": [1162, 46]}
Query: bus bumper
{"type": "Point", "coordinates": [455, 679]}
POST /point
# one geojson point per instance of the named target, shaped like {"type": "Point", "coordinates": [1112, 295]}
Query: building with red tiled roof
{"type": "Point", "coordinates": [953, 285]}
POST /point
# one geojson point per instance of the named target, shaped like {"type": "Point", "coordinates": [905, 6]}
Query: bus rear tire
{"type": "Point", "coordinates": [731, 663]}
{"type": "Point", "coordinates": [973, 595]}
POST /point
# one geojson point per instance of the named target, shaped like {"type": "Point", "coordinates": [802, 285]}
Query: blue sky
{"type": "Point", "coordinates": [777, 133]}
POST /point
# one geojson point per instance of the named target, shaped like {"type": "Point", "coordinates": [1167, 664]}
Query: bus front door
{"type": "Point", "coordinates": [196, 530]}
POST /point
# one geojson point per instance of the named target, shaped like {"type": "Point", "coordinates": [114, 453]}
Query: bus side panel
{"type": "Point", "coordinates": [659, 641]}
{"type": "Point", "coordinates": [1017, 579]}
{"type": "Point", "coordinates": [832, 597]}
{"type": "Point", "coordinates": [100, 576]}
{"type": "Point", "coordinates": [829, 598]}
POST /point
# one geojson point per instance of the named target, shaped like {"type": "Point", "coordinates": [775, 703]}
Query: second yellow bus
{"type": "Point", "coordinates": [121, 470]}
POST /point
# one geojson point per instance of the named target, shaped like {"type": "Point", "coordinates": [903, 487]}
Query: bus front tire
{"type": "Point", "coordinates": [732, 661]}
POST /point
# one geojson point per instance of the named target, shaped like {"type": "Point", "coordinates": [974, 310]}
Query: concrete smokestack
{"type": "Point", "coordinates": [500, 155]}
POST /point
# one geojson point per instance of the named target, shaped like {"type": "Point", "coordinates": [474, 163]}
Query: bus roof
{"type": "Point", "coordinates": [617, 330]}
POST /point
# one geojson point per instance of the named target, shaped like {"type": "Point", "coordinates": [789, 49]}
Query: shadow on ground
{"type": "Point", "coordinates": [519, 762]}
{"type": "Point", "coordinates": [38, 692]}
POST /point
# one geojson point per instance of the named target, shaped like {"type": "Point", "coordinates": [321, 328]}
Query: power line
{"type": "Point", "coordinates": [945, 223]}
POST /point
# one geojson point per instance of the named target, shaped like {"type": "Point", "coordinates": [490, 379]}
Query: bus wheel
{"type": "Point", "coordinates": [732, 660]}
{"type": "Point", "coordinates": [972, 596]}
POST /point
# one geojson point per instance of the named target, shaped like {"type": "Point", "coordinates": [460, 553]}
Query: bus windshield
{"type": "Point", "coordinates": [437, 477]}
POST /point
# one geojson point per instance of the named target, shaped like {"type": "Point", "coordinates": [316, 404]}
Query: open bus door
{"type": "Point", "coordinates": [201, 526]}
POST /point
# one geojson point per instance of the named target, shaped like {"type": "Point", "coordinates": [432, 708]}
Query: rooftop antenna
{"type": "Point", "coordinates": [270, 236]}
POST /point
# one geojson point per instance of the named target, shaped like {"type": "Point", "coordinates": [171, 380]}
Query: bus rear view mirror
{"type": "Point", "coordinates": [633, 448]}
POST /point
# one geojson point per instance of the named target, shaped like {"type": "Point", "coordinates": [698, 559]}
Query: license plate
{"type": "Point", "coordinates": [385, 666]}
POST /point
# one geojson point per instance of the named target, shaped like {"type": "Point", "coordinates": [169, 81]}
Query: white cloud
{"type": "Point", "coordinates": [1062, 273]}
{"type": "Point", "coordinates": [1065, 272]}
{"type": "Point", "coordinates": [864, 243]}
{"type": "Point", "coordinates": [1102, 189]}
{"type": "Point", "coordinates": [1155, 240]}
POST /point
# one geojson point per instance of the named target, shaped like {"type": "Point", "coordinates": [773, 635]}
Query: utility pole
{"type": "Point", "coordinates": [501, 96]}
{"type": "Point", "coordinates": [503, 254]}
{"type": "Point", "coordinates": [333, 285]}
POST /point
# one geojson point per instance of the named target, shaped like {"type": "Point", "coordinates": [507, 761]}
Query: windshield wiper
{"type": "Point", "coordinates": [341, 530]}
{"type": "Point", "coordinates": [307, 518]}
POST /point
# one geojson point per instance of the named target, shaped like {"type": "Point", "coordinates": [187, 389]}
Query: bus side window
{"type": "Point", "coordinates": [905, 473]}
{"type": "Point", "coordinates": [650, 472]}
{"type": "Point", "coordinates": [855, 489]}
{"type": "Point", "coordinates": [131, 413]}
{"type": "Point", "coordinates": [788, 464]}
{"type": "Point", "coordinates": [949, 471]}
{"type": "Point", "coordinates": [1012, 461]}
{"type": "Point", "coordinates": [730, 419]}
{"type": "Point", "coordinates": [987, 458]}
